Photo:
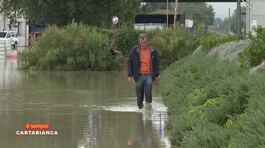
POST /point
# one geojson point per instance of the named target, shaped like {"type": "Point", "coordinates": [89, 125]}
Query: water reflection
{"type": "Point", "coordinates": [89, 109]}
{"type": "Point", "coordinates": [126, 130]}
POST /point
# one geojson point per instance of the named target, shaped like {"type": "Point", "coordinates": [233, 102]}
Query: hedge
{"type": "Point", "coordinates": [74, 47]}
{"type": "Point", "coordinates": [81, 47]}
{"type": "Point", "coordinates": [213, 103]}
{"type": "Point", "coordinates": [212, 40]}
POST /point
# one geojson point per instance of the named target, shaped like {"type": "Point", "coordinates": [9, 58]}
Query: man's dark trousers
{"type": "Point", "coordinates": [144, 87]}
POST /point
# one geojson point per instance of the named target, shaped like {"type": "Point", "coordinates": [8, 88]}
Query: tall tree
{"type": "Point", "coordinates": [62, 12]}
{"type": "Point", "coordinates": [198, 12]}
{"type": "Point", "coordinates": [12, 9]}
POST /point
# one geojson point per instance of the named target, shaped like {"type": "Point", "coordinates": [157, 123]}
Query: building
{"type": "Point", "coordinates": [160, 19]}
{"type": "Point", "coordinates": [152, 21]}
{"type": "Point", "coordinates": [255, 14]}
{"type": "Point", "coordinates": [21, 28]}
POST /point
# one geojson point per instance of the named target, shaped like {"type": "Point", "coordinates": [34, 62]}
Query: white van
{"type": "Point", "coordinates": [10, 36]}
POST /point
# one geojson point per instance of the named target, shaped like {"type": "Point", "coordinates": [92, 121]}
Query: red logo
{"type": "Point", "coordinates": [37, 126]}
{"type": "Point", "coordinates": [37, 130]}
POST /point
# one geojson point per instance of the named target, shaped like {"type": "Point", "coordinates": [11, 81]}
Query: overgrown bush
{"type": "Point", "coordinates": [207, 135]}
{"type": "Point", "coordinates": [171, 44]}
{"type": "Point", "coordinates": [203, 95]}
{"type": "Point", "coordinates": [74, 47]}
{"type": "Point", "coordinates": [212, 40]}
{"type": "Point", "coordinates": [255, 53]}
{"type": "Point", "coordinates": [79, 47]}
{"type": "Point", "coordinates": [249, 129]}
{"type": "Point", "coordinates": [125, 38]}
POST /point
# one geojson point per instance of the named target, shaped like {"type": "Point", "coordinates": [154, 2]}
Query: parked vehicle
{"type": "Point", "coordinates": [10, 36]}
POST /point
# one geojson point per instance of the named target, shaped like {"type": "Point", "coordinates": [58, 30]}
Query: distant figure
{"type": "Point", "coordinates": [143, 67]}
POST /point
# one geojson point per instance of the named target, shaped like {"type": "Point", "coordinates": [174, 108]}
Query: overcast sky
{"type": "Point", "coordinates": [221, 9]}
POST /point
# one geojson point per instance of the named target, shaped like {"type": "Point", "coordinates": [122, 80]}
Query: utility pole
{"type": "Point", "coordinates": [247, 8]}
{"type": "Point", "coordinates": [5, 49]}
{"type": "Point", "coordinates": [167, 13]}
{"type": "Point", "coordinates": [175, 14]}
{"type": "Point", "coordinates": [238, 17]}
{"type": "Point", "coordinates": [229, 20]}
{"type": "Point", "coordinates": [26, 34]}
{"type": "Point", "coordinates": [4, 21]}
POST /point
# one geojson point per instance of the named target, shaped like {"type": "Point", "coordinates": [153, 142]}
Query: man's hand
{"type": "Point", "coordinates": [130, 80]}
{"type": "Point", "coordinates": [156, 81]}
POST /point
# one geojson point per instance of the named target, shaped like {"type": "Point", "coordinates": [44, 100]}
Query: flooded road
{"type": "Point", "coordinates": [88, 109]}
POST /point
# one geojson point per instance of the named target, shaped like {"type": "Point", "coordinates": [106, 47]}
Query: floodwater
{"type": "Point", "coordinates": [88, 109]}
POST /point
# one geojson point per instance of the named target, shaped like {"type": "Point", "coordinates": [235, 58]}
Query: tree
{"type": "Point", "coordinates": [198, 12]}
{"type": "Point", "coordinates": [12, 10]}
{"type": "Point", "coordinates": [230, 25]}
{"type": "Point", "coordinates": [63, 12]}
{"type": "Point", "coordinates": [154, 7]}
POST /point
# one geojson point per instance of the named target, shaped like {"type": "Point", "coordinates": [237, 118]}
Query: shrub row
{"type": "Point", "coordinates": [213, 103]}
{"type": "Point", "coordinates": [255, 53]}
{"type": "Point", "coordinates": [79, 47]}
{"type": "Point", "coordinates": [171, 44]}
{"type": "Point", "coordinates": [212, 40]}
{"type": "Point", "coordinates": [74, 47]}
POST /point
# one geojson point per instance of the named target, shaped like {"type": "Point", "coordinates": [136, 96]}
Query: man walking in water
{"type": "Point", "coordinates": [143, 67]}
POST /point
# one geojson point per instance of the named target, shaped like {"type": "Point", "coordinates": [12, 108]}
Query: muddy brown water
{"type": "Point", "coordinates": [88, 109]}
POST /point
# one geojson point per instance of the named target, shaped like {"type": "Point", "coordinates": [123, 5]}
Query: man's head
{"type": "Point", "coordinates": [143, 38]}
